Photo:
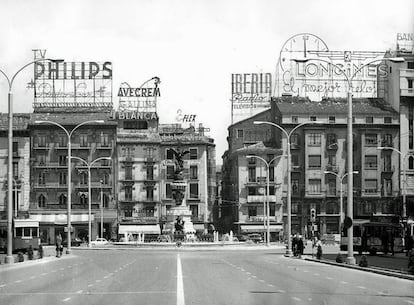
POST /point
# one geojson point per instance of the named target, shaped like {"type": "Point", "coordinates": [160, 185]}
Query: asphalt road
{"type": "Point", "coordinates": [194, 277]}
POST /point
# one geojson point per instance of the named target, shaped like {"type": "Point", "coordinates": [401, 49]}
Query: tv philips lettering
{"type": "Point", "coordinates": [72, 84]}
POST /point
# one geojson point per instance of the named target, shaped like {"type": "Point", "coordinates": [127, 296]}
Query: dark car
{"type": "Point", "coordinates": [242, 237]}
{"type": "Point", "coordinates": [76, 242]}
{"type": "Point", "coordinates": [257, 238]}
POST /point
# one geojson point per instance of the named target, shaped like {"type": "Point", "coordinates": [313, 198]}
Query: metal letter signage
{"type": "Point", "coordinates": [72, 84]}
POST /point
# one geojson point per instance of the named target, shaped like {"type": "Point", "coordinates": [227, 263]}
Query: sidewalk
{"type": "Point", "coordinates": [49, 253]}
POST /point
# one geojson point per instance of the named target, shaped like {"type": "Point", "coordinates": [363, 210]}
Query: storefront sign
{"type": "Point", "coordinates": [134, 115]}
{"type": "Point", "coordinates": [71, 84]}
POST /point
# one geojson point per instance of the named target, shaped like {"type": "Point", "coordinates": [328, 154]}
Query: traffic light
{"type": "Point", "coordinates": [312, 215]}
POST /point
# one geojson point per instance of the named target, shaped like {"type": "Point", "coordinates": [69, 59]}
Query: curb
{"type": "Point", "coordinates": [27, 263]}
{"type": "Point", "coordinates": [173, 247]}
{"type": "Point", "coordinates": [366, 269]}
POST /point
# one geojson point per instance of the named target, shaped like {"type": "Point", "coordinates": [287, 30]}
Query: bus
{"type": "Point", "coordinates": [25, 234]}
{"type": "Point", "coordinates": [370, 236]}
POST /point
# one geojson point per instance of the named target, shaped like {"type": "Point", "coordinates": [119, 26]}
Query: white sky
{"type": "Point", "coordinates": [193, 46]}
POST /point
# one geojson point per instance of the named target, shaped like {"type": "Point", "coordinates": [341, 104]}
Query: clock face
{"type": "Point", "coordinates": [300, 46]}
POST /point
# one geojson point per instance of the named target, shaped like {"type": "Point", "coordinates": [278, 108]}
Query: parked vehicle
{"type": "Point", "coordinates": [99, 242]}
{"type": "Point", "coordinates": [242, 237]}
{"type": "Point", "coordinates": [164, 239]}
{"type": "Point", "coordinates": [25, 234]}
{"type": "Point", "coordinates": [257, 238]}
{"type": "Point", "coordinates": [76, 242]}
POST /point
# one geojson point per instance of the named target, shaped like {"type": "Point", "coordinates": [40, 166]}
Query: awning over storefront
{"type": "Point", "coordinates": [260, 228]}
{"type": "Point", "coordinates": [136, 229]}
{"type": "Point", "coordinates": [61, 219]}
{"type": "Point", "coordinates": [199, 226]}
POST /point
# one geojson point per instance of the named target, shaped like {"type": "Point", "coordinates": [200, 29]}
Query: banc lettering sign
{"type": "Point", "coordinates": [71, 84]}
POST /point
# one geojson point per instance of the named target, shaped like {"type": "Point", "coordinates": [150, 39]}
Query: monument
{"type": "Point", "coordinates": [181, 213]}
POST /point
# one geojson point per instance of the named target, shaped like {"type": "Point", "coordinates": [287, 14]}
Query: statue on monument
{"type": "Point", "coordinates": [178, 193]}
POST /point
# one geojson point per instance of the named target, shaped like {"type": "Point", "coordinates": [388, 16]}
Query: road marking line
{"type": "Point", "coordinates": [343, 282]}
{"type": "Point", "coordinates": [281, 291]}
{"type": "Point", "coordinates": [309, 299]}
{"type": "Point", "coordinates": [362, 287]}
{"type": "Point", "coordinates": [253, 276]}
{"type": "Point", "coordinates": [409, 302]}
{"type": "Point", "coordinates": [106, 276]}
{"type": "Point", "coordinates": [296, 299]}
{"type": "Point", "coordinates": [79, 291]}
{"type": "Point", "coordinates": [18, 281]}
{"type": "Point", "coordinates": [65, 300]}
{"type": "Point", "coordinates": [248, 273]}
{"type": "Point", "coordinates": [270, 285]}
{"type": "Point", "coordinates": [90, 285]}
{"type": "Point", "coordinates": [328, 278]}
{"type": "Point", "coordinates": [305, 271]}
{"type": "Point", "coordinates": [261, 281]}
{"type": "Point", "coordinates": [44, 273]}
{"type": "Point", "coordinates": [1, 286]}
{"type": "Point", "coordinates": [98, 281]}
{"type": "Point", "coordinates": [32, 277]}
{"type": "Point", "coordinates": [180, 284]}
{"type": "Point", "coordinates": [316, 274]}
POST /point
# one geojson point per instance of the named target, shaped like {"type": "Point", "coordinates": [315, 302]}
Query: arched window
{"type": "Point", "coordinates": [83, 199]}
{"type": "Point", "coordinates": [62, 199]}
{"type": "Point", "coordinates": [41, 201]}
{"type": "Point", "coordinates": [411, 162]}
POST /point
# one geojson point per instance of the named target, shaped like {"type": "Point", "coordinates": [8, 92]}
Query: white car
{"type": "Point", "coordinates": [99, 242]}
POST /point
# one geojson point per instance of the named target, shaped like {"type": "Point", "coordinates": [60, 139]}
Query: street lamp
{"type": "Point", "coordinates": [267, 213]}
{"type": "Point", "coordinates": [9, 257]}
{"type": "Point", "coordinates": [101, 210]}
{"type": "Point", "coordinates": [349, 79]}
{"type": "Point", "coordinates": [341, 205]}
{"type": "Point", "coordinates": [69, 202]}
{"type": "Point", "coordinates": [89, 165]}
{"type": "Point", "coordinates": [289, 173]}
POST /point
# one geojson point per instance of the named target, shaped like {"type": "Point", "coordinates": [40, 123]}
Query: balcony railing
{"type": "Point", "coordinates": [407, 73]}
{"type": "Point", "coordinates": [260, 198]}
{"type": "Point", "coordinates": [140, 219]}
{"type": "Point", "coordinates": [407, 92]}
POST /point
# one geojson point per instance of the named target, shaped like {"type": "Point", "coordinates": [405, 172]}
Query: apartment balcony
{"type": "Point", "coordinates": [294, 146]}
{"type": "Point", "coordinates": [260, 219]}
{"type": "Point", "coordinates": [332, 168]}
{"type": "Point", "coordinates": [407, 73]}
{"type": "Point", "coordinates": [370, 193]}
{"type": "Point", "coordinates": [197, 218]}
{"type": "Point", "coordinates": [407, 92]}
{"type": "Point", "coordinates": [104, 146]}
{"type": "Point", "coordinates": [77, 146]}
{"type": "Point", "coordinates": [388, 169]}
{"type": "Point", "coordinates": [41, 146]}
{"type": "Point", "coordinates": [94, 185]}
{"type": "Point", "coordinates": [150, 160]}
{"type": "Point", "coordinates": [50, 185]}
{"type": "Point", "coordinates": [60, 147]}
{"type": "Point", "coordinates": [260, 198]}
{"type": "Point", "coordinates": [50, 165]}
{"type": "Point", "coordinates": [385, 143]}
{"type": "Point", "coordinates": [296, 168]}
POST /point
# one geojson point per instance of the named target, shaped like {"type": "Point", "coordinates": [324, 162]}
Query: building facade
{"type": "Point", "coordinates": [92, 136]}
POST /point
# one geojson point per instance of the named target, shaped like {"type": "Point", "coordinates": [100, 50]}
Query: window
{"type": "Point", "coordinates": [150, 172]}
{"type": "Point", "coordinates": [83, 178]}
{"type": "Point", "coordinates": [295, 207]}
{"type": "Point", "coordinates": [312, 118]}
{"type": "Point", "coordinates": [193, 190]}
{"type": "Point", "coordinates": [314, 161]}
{"type": "Point", "coordinates": [410, 65]}
{"type": "Point", "coordinates": [41, 201]}
{"type": "Point", "coordinates": [314, 186]}
{"type": "Point", "coordinates": [240, 133]}
{"type": "Point", "coordinates": [294, 118]}
{"type": "Point", "coordinates": [104, 139]}
{"type": "Point", "coordinates": [193, 153]}
{"type": "Point", "coordinates": [62, 178]}
{"type": "Point", "coordinates": [105, 179]}
{"type": "Point", "coordinates": [314, 139]}
{"type": "Point", "coordinates": [16, 170]}
{"type": "Point", "coordinates": [128, 192]}
{"type": "Point", "coordinates": [150, 193]}
{"type": "Point", "coordinates": [15, 148]}
{"type": "Point", "coordinates": [332, 187]}
{"type": "Point", "coordinates": [410, 84]}
{"type": "Point", "coordinates": [170, 171]}
{"type": "Point", "coordinates": [387, 187]}
{"type": "Point", "coordinates": [387, 140]}
{"type": "Point", "coordinates": [271, 173]}
{"type": "Point", "coordinates": [128, 213]}
{"type": "Point", "coordinates": [331, 140]}
{"type": "Point", "coordinates": [411, 162]}
{"type": "Point", "coordinates": [62, 199]}
{"type": "Point", "coordinates": [63, 139]}
{"type": "Point", "coordinates": [332, 160]}
{"type": "Point", "coordinates": [41, 159]}
{"type": "Point", "coordinates": [331, 119]}
{"type": "Point", "coordinates": [194, 210]}
{"type": "Point", "coordinates": [370, 185]}
{"type": "Point", "coordinates": [295, 186]}
{"type": "Point", "coordinates": [369, 120]}
{"type": "Point", "coordinates": [128, 172]}
{"type": "Point", "coordinates": [83, 140]}
{"type": "Point", "coordinates": [169, 154]}
{"type": "Point", "coordinates": [252, 174]}
{"type": "Point", "coordinates": [193, 172]}
{"type": "Point", "coordinates": [135, 124]}
{"type": "Point", "coordinates": [168, 191]}
{"type": "Point", "coordinates": [387, 120]}
{"type": "Point", "coordinates": [371, 139]}
{"type": "Point", "coordinates": [332, 207]}
{"type": "Point", "coordinates": [370, 162]}
{"type": "Point", "coordinates": [294, 139]}
{"type": "Point", "coordinates": [62, 160]}
{"type": "Point", "coordinates": [252, 161]}
{"type": "Point", "coordinates": [105, 200]}
{"type": "Point", "coordinates": [83, 199]}
{"type": "Point", "coordinates": [42, 178]}
{"type": "Point", "coordinates": [387, 163]}
{"type": "Point", "coordinates": [41, 141]}
{"type": "Point", "coordinates": [294, 160]}
{"type": "Point", "coordinates": [251, 191]}
{"type": "Point", "coordinates": [252, 211]}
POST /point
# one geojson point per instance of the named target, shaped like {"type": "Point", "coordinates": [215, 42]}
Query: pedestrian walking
{"type": "Point", "coordinates": [300, 246]}
{"type": "Point", "coordinates": [392, 245]}
{"type": "Point", "coordinates": [59, 246]}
